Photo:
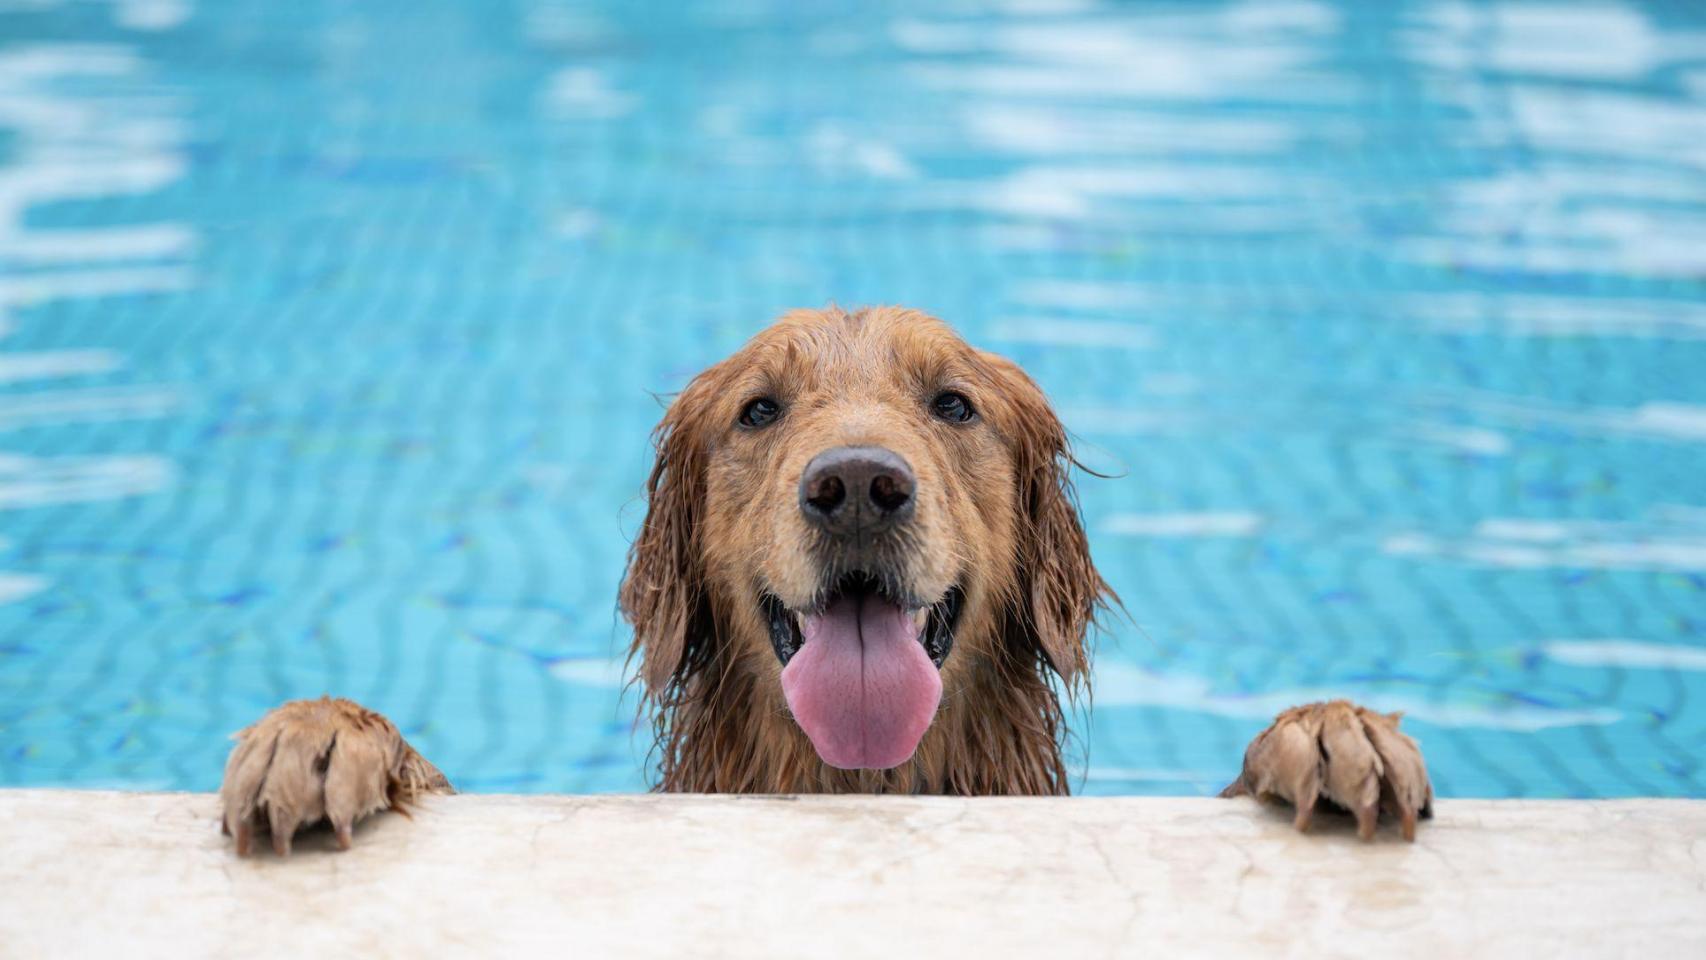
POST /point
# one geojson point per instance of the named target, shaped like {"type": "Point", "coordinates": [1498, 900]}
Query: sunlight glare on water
{"type": "Point", "coordinates": [329, 334]}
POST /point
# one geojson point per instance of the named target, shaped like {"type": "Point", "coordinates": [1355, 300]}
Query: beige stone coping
{"type": "Point", "coordinates": [120, 874]}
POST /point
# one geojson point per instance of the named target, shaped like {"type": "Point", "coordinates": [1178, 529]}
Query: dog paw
{"type": "Point", "coordinates": [313, 760]}
{"type": "Point", "coordinates": [1338, 754]}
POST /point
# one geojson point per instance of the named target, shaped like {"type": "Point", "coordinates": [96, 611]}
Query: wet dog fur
{"type": "Point", "coordinates": [996, 517]}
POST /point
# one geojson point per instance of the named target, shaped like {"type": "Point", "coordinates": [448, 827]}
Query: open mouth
{"type": "Point", "coordinates": [861, 670]}
{"type": "Point", "coordinates": [787, 627]}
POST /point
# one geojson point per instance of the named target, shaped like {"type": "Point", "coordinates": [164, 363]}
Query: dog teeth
{"type": "Point", "coordinates": [920, 617]}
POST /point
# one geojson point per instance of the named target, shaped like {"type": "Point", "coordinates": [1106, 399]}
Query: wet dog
{"type": "Point", "coordinates": [862, 569]}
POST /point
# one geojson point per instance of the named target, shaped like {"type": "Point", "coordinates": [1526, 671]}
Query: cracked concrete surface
{"type": "Point", "coordinates": [86, 873]}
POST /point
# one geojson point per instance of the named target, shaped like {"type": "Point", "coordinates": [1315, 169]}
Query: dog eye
{"type": "Point", "coordinates": [952, 406]}
{"type": "Point", "coordinates": [760, 412]}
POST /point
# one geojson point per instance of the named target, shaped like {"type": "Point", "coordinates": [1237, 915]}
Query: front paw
{"type": "Point", "coordinates": [1342, 755]}
{"type": "Point", "coordinates": [313, 760]}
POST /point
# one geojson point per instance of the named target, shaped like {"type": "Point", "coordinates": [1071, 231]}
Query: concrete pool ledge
{"type": "Point", "coordinates": [86, 873]}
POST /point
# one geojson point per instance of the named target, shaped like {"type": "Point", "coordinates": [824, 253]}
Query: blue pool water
{"type": "Point", "coordinates": [331, 332]}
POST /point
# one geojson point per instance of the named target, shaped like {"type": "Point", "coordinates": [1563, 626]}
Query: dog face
{"type": "Point", "coordinates": [851, 514]}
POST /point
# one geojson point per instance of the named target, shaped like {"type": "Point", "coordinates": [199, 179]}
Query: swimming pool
{"type": "Point", "coordinates": [329, 331]}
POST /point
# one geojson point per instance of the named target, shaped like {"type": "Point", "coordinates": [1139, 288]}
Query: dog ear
{"type": "Point", "coordinates": [1060, 591]}
{"type": "Point", "coordinates": [662, 593]}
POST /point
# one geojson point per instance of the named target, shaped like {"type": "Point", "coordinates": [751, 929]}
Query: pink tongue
{"type": "Point", "coordinates": [862, 687]}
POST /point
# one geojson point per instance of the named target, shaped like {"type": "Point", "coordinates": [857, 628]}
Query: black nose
{"type": "Point", "coordinates": [856, 490]}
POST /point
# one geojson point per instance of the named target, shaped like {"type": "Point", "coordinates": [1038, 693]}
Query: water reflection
{"type": "Point", "coordinates": [81, 125]}
{"type": "Point", "coordinates": [1386, 319]}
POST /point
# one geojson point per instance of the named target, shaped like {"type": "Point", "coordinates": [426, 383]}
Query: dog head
{"type": "Point", "coordinates": [851, 514]}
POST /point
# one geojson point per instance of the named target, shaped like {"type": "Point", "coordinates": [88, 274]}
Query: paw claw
{"type": "Point", "coordinates": [315, 760]}
{"type": "Point", "coordinates": [1353, 757]}
{"type": "Point", "coordinates": [1366, 818]}
{"type": "Point", "coordinates": [1302, 819]}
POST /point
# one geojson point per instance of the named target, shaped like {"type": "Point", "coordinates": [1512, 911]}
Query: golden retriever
{"type": "Point", "coordinates": [861, 570]}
